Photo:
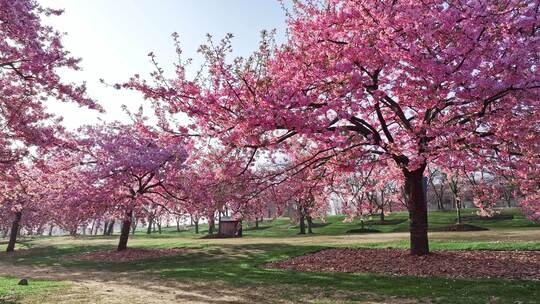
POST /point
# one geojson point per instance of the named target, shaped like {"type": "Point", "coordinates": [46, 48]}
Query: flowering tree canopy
{"type": "Point", "coordinates": [403, 81]}
{"type": "Point", "coordinates": [30, 56]}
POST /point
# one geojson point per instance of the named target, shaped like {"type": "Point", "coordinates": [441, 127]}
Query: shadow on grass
{"type": "Point", "coordinates": [255, 228]}
{"type": "Point", "coordinates": [243, 265]}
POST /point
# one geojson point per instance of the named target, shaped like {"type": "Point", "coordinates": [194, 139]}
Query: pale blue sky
{"type": "Point", "coordinates": [113, 37]}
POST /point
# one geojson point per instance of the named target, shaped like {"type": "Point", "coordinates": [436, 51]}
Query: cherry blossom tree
{"type": "Point", "coordinates": [130, 165]}
{"type": "Point", "coordinates": [408, 82]}
{"type": "Point", "coordinates": [31, 54]}
{"type": "Point", "coordinates": [22, 204]}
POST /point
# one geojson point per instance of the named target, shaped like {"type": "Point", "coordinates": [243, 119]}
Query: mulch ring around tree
{"type": "Point", "coordinates": [459, 228]}
{"type": "Point", "coordinates": [386, 222]}
{"type": "Point", "coordinates": [523, 265]}
{"type": "Point", "coordinates": [363, 230]}
{"type": "Point", "coordinates": [128, 255]}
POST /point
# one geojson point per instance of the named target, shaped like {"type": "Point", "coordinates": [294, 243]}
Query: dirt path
{"type": "Point", "coordinates": [100, 287]}
{"type": "Point", "coordinates": [87, 286]}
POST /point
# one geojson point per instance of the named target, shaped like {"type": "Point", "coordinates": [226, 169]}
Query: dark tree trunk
{"type": "Point", "coordinates": [309, 224]}
{"type": "Point", "coordinates": [124, 234]}
{"type": "Point", "coordinates": [40, 229]}
{"type": "Point", "coordinates": [150, 222]}
{"type": "Point", "coordinates": [14, 231]}
{"type": "Point", "coordinates": [196, 222]}
{"type": "Point", "coordinates": [256, 223]}
{"type": "Point", "coordinates": [458, 211]}
{"type": "Point", "coordinates": [50, 230]}
{"type": "Point", "coordinates": [302, 225]}
{"type": "Point", "coordinates": [382, 214]}
{"type": "Point", "coordinates": [211, 224]}
{"type": "Point", "coordinates": [177, 224]}
{"type": "Point", "coordinates": [105, 227]}
{"type": "Point", "coordinates": [92, 227]}
{"type": "Point", "coordinates": [134, 226]}
{"type": "Point", "coordinates": [211, 227]}
{"type": "Point", "coordinates": [418, 216]}
{"type": "Point", "coordinates": [159, 227]}
{"type": "Point", "coordinates": [110, 230]}
{"type": "Point", "coordinates": [442, 195]}
{"type": "Point", "coordinates": [95, 227]}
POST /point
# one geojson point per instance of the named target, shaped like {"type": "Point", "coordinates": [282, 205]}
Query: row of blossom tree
{"type": "Point", "coordinates": [363, 96]}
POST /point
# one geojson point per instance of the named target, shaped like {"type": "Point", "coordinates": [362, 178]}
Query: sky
{"type": "Point", "coordinates": [113, 38]}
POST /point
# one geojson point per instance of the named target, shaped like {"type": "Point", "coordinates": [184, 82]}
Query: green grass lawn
{"type": "Point", "coordinates": [241, 265]}
{"type": "Point", "coordinates": [238, 263]}
{"type": "Point", "coordinates": [10, 291]}
{"type": "Point", "coordinates": [334, 225]}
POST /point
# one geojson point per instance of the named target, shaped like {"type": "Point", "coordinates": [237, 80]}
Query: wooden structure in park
{"type": "Point", "coordinates": [229, 227]}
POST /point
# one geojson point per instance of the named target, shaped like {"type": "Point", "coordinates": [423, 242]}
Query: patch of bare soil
{"type": "Point", "coordinates": [104, 287]}
{"type": "Point", "coordinates": [128, 255]}
{"type": "Point", "coordinates": [449, 264]}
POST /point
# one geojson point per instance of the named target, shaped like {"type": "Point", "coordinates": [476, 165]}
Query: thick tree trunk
{"type": "Point", "coordinates": [302, 225]}
{"type": "Point", "coordinates": [458, 211]}
{"type": "Point", "coordinates": [382, 214]}
{"type": "Point", "coordinates": [124, 234]}
{"type": "Point", "coordinates": [256, 223]}
{"type": "Point", "coordinates": [50, 230]}
{"type": "Point", "coordinates": [177, 224]}
{"type": "Point", "coordinates": [39, 230]}
{"type": "Point", "coordinates": [14, 231]}
{"type": "Point", "coordinates": [418, 216]}
{"type": "Point", "coordinates": [159, 227]}
{"type": "Point", "coordinates": [105, 227]}
{"type": "Point", "coordinates": [97, 227]}
{"type": "Point", "coordinates": [110, 230]}
{"type": "Point", "coordinates": [134, 226]}
{"type": "Point", "coordinates": [150, 222]}
{"type": "Point", "coordinates": [211, 224]}
{"type": "Point", "coordinates": [196, 226]}
{"type": "Point", "coordinates": [442, 196]}
{"type": "Point", "coordinates": [309, 224]}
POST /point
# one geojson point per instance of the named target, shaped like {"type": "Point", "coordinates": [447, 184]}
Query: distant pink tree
{"type": "Point", "coordinates": [31, 55]}
{"type": "Point", "coordinates": [129, 166]}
